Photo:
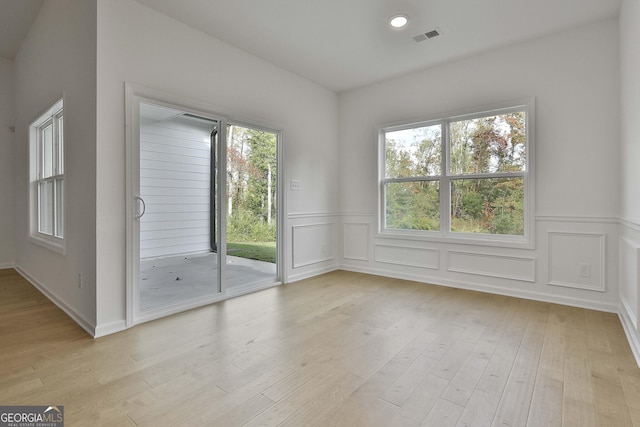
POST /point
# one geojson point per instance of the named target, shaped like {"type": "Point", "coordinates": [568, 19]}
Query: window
{"type": "Point", "coordinates": [463, 176]}
{"type": "Point", "coordinates": [47, 177]}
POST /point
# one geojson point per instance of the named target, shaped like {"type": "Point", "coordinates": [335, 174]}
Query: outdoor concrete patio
{"type": "Point", "coordinates": [166, 281]}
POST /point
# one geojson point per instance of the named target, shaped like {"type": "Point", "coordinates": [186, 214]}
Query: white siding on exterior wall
{"type": "Point", "coordinates": [175, 184]}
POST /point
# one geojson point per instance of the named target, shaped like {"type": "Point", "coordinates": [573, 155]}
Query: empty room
{"type": "Point", "coordinates": [370, 213]}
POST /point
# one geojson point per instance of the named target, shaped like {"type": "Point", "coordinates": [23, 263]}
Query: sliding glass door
{"type": "Point", "coordinates": [204, 195]}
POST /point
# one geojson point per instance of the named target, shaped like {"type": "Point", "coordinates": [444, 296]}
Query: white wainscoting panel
{"type": "Point", "coordinates": [410, 256]}
{"type": "Point", "coordinates": [312, 244]}
{"type": "Point", "coordinates": [356, 241]}
{"type": "Point", "coordinates": [491, 265]}
{"type": "Point", "coordinates": [577, 260]}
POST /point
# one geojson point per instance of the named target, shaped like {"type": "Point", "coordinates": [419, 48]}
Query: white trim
{"type": "Point", "coordinates": [110, 328]}
{"type": "Point", "coordinates": [539, 218]}
{"type": "Point", "coordinates": [634, 224]}
{"type": "Point", "coordinates": [81, 321]}
{"type": "Point", "coordinates": [603, 264]}
{"type": "Point", "coordinates": [531, 260]}
{"type": "Point", "coordinates": [368, 243]}
{"type": "Point", "coordinates": [408, 264]}
{"type": "Point", "coordinates": [576, 218]}
{"type": "Point", "coordinates": [633, 337]}
{"type": "Point", "coordinates": [498, 290]}
{"type": "Point", "coordinates": [251, 288]}
{"type": "Point", "coordinates": [629, 312]}
{"type": "Point", "coordinates": [7, 265]}
{"type": "Point", "coordinates": [468, 241]}
{"type": "Point", "coordinates": [295, 264]}
{"type": "Point", "coordinates": [292, 278]}
{"type": "Point", "coordinates": [312, 262]}
{"type": "Point", "coordinates": [149, 315]}
{"type": "Point", "coordinates": [307, 215]}
{"type": "Point", "coordinates": [358, 214]}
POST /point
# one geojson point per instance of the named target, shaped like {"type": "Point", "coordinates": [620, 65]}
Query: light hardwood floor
{"type": "Point", "coordinates": [341, 349]}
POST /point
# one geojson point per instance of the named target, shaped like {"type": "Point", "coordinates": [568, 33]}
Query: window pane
{"type": "Point", "coordinates": [488, 205]}
{"type": "Point", "coordinates": [414, 152]}
{"type": "Point", "coordinates": [489, 144]}
{"type": "Point", "coordinates": [413, 205]}
{"type": "Point", "coordinates": [60, 146]}
{"type": "Point", "coordinates": [45, 214]}
{"type": "Point", "coordinates": [47, 151]}
{"type": "Point", "coordinates": [59, 208]}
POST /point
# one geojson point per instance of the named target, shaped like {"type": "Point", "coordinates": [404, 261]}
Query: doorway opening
{"type": "Point", "coordinates": [251, 192]}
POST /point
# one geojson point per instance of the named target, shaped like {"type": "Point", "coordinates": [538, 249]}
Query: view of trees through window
{"type": "Point", "coordinates": [251, 193]}
{"type": "Point", "coordinates": [484, 175]}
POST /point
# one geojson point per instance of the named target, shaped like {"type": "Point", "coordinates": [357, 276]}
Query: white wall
{"type": "Point", "coordinates": [58, 57]}
{"type": "Point", "coordinates": [574, 79]}
{"type": "Point", "coordinates": [7, 255]}
{"type": "Point", "coordinates": [140, 46]}
{"type": "Point", "coordinates": [630, 171]}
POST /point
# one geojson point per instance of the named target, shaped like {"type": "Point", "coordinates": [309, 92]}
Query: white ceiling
{"type": "Point", "coordinates": [344, 44]}
{"type": "Point", "coordinates": [16, 16]}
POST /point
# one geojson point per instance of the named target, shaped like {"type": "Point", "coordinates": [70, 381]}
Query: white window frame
{"type": "Point", "coordinates": [53, 116]}
{"type": "Point", "coordinates": [445, 234]}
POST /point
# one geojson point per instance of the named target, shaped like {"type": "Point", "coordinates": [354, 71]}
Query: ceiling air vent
{"type": "Point", "coordinates": [428, 35]}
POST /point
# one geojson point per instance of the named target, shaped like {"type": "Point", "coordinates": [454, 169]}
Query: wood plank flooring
{"type": "Point", "coordinates": [342, 349]}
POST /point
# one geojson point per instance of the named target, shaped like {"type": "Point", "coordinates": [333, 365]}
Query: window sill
{"type": "Point", "coordinates": [48, 243]}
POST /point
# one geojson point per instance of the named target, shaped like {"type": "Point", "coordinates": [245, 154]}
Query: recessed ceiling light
{"type": "Point", "coordinates": [398, 21]}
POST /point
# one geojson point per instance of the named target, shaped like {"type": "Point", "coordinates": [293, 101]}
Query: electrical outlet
{"type": "Point", "coordinates": [79, 280]}
{"type": "Point", "coordinates": [585, 269]}
{"type": "Point", "coordinates": [296, 185]}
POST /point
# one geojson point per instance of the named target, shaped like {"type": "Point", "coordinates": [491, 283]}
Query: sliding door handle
{"type": "Point", "coordinates": [144, 207]}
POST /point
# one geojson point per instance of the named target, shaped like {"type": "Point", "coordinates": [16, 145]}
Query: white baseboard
{"type": "Point", "coordinates": [307, 274]}
{"type": "Point", "coordinates": [110, 328]}
{"type": "Point", "coordinates": [630, 331]}
{"type": "Point", "coordinates": [498, 290]}
{"type": "Point", "coordinates": [83, 323]}
{"type": "Point", "coordinates": [4, 265]}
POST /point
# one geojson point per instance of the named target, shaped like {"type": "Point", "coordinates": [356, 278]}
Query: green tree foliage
{"type": "Point", "coordinates": [251, 185]}
{"type": "Point", "coordinates": [261, 199]}
{"type": "Point", "coordinates": [413, 205]}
